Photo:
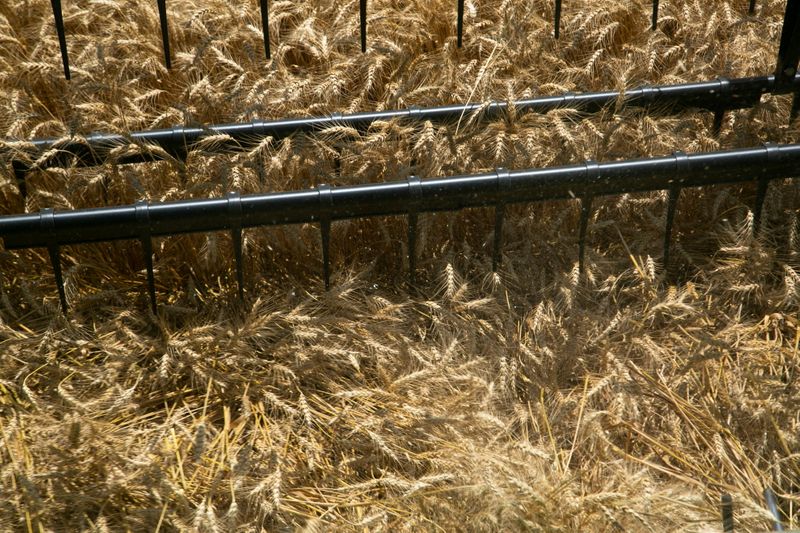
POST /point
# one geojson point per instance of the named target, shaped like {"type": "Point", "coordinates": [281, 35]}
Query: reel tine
{"type": "Point", "coordinates": [681, 168]}
{"type": "Point", "coordinates": [460, 23]}
{"type": "Point", "coordinates": [363, 15]}
{"type": "Point", "coordinates": [592, 176]}
{"type": "Point", "coordinates": [143, 219]}
{"type": "Point", "coordinates": [20, 170]}
{"type": "Point", "coordinates": [672, 204]}
{"type": "Point", "coordinates": [719, 116]}
{"type": "Point", "coordinates": [48, 223]}
{"type": "Point", "coordinates": [586, 211]}
{"type": "Point", "coordinates": [557, 21]}
{"type": "Point", "coordinates": [499, 216]}
{"type": "Point", "coordinates": [235, 214]}
{"type": "Point", "coordinates": [62, 36]}
{"type": "Point", "coordinates": [325, 227]}
{"type": "Point", "coordinates": [415, 193]}
{"type": "Point", "coordinates": [413, 218]}
{"type": "Point", "coordinates": [655, 16]}
{"type": "Point", "coordinates": [727, 513]}
{"type": "Point", "coordinates": [772, 505]}
{"type": "Point", "coordinates": [326, 201]}
{"type": "Point", "coordinates": [162, 15]}
{"type": "Point", "coordinates": [55, 260]}
{"type": "Point", "coordinates": [758, 207]}
{"type": "Point", "coordinates": [265, 26]}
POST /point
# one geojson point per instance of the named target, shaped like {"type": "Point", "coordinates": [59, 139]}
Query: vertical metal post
{"type": "Point", "coordinates": [62, 36]}
{"type": "Point", "coordinates": [752, 9]}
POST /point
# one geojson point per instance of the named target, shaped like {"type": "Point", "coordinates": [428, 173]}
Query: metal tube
{"type": "Point", "coordinates": [396, 198]}
{"type": "Point", "coordinates": [712, 95]}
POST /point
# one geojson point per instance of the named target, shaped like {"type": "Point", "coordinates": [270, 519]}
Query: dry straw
{"type": "Point", "coordinates": [528, 400]}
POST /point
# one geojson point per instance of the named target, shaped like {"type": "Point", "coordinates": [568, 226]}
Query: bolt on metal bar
{"type": "Point", "coordinates": [162, 16]}
{"type": "Point", "coordinates": [716, 96]}
{"type": "Point", "coordinates": [62, 36]}
{"type": "Point", "coordinates": [326, 204]}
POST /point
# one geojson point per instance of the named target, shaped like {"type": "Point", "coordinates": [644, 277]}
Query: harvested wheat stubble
{"type": "Point", "coordinates": [527, 400]}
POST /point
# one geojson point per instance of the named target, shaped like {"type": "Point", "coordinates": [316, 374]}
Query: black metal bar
{"type": "Point", "coordinates": [95, 148]}
{"type": "Point", "coordinates": [460, 23]}
{"type": "Point", "coordinates": [265, 26]}
{"type": "Point", "coordinates": [162, 16]}
{"type": "Point", "coordinates": [727, 513]}
{"type": "Point", "coordinates": [557, 20]}
{"type": "Point", "coordinates": [654, 23]}
{"type": "Point", "coordinates": [393, 198]}
{"type": "Point", "coordinates": [752, 8]}
{"type": "Point", "coordinates": [62, 36]}
{"type": "Point", "coordinates": [363, 16]}
{"type": "Point", "coordinates": [325, 204]}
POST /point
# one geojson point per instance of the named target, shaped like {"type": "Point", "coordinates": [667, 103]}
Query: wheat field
{"type": "Point", "coordinates": [534, 399]}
